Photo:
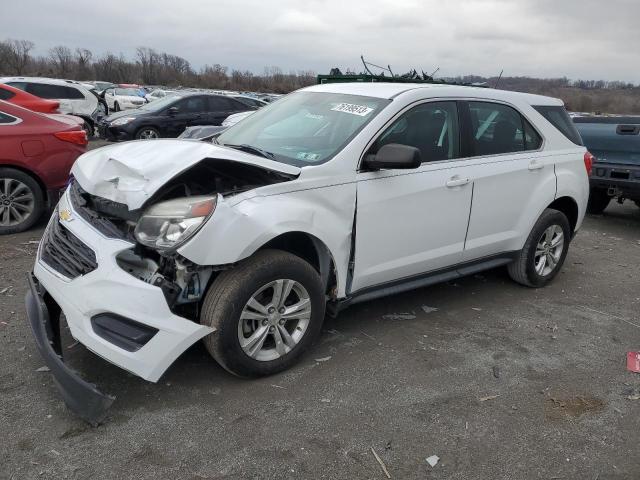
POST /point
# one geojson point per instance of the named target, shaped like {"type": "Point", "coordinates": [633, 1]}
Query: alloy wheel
{"type": "Point", "coordinates": [274, 320]}
{"type": "Point", "coordinates": [148, 134]}
{"type": "Point", "coordinates": [17, 202]}
{"type": "Point", "coordinates": [549, 250]}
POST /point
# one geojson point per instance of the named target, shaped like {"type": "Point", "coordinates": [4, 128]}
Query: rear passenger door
{"type": "Point", "coordinates": [513, 179]}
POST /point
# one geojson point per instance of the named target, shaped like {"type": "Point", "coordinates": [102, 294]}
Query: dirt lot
{"type": "Point", "coordinates": [500, 382]}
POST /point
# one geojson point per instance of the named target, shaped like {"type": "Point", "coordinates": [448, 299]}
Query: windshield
{"type": "Point", "coordinates": [305, 128]}
{"type": "Point", "coordinates": [132, 92]}
{"type": "Point", "coordinates": [159, 104]}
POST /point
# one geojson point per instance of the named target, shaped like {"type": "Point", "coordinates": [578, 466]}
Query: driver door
{"type": "Point", "coordinates": [410, 222]}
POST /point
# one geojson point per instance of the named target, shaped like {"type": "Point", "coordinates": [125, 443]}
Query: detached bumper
{"type": "Point", "coordinates": [117, 316]}
{"type": "Point", "coordinates": [81, 397]}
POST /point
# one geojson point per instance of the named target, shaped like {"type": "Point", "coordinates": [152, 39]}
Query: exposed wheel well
{"type": "Point", "coordinates": [569, 207]}
{"type": "Point", "coordinates": [310, 249]}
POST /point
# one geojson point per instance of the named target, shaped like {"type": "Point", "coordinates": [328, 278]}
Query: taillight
{"type": "Point", "coordinates": [79, 137]}
{"type": "Point", "coordinates": [588, 162]}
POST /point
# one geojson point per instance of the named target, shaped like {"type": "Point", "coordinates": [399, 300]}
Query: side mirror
{"type": "Point", "coordinates": [173, 110]}
{"type": "Point", "coordinates": [394, 156]}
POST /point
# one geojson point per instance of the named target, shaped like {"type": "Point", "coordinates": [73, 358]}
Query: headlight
{"type": "Point", "coordinates": [168, 224]}
{"type": "Point", "coordinates": [121, 121]}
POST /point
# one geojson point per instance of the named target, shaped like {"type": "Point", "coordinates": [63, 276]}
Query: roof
{"type": "Point", "coordinates": [392, 90]}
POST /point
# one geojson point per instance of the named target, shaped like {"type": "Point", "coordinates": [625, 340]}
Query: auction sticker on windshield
{"type": "Point", "coordinates": [360, 110]}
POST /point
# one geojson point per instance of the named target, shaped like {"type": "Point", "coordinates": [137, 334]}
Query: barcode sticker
{"type": "Point", "coordinates": [360, 110]}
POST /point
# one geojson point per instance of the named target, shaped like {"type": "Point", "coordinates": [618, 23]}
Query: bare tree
{"type": "Point", "coordinates": [83, 58]}
{"type": "Point", "coordinates": [62, 59]}
{"type": "Point", "coordinates": [18, 54]}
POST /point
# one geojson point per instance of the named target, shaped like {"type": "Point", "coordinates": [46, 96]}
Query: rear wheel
{"type": "Point", "coordinates": [147, 133]}
{"type": "Point", "coordinates": [266, 312]}
{"type": "Point", "coordinates": [544, 252]}
{"type": "Point", "coordinates": [21, 201]}
{"type": "Point", "coordinates": [598, 201]}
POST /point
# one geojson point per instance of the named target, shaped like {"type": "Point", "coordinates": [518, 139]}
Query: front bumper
{"type": "Point", "coordinates": [81, 397]}
{"type": "Point", "coordinates": [109, 290]}
{"type": "Point", "coordinates": [114, 134]}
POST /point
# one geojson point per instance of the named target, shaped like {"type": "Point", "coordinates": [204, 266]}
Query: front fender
{"type": "Point", "coordinates": [236, 232]}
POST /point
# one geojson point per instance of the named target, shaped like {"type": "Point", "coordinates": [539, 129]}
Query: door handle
{"type": "Point", "coordinates": [535, 165]}
{"type": "Point", "coordinates": [456, 181]}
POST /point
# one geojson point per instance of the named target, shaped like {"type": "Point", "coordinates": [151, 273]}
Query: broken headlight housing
{"type": "Point", "coordinates": [167, 225]}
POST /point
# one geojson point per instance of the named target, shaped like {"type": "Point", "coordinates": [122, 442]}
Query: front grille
{"type": "Point", "coordinates": [66, 253]}
{"type": "Point", "coordinates": [85, 205]}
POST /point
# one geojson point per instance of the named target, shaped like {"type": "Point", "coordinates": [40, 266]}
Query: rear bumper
{"type": "Point", "coordinates": [625, 179]}
{"type": "Point", "coordinates": [81, 397]}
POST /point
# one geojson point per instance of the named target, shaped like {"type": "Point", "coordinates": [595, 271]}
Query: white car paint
{"type": "Point", "coordinates": [158, 93]}
{"type": "Point", "coordinates": [407, 222]}
{"type": "Point", "coordinates": [116, 96]}
{"type": "Point", "coordinates": [236, 117]}
{"type": "Point", "coordinates": [84, 104]}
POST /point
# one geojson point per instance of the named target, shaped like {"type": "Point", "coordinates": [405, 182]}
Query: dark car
{"type": "Point", "coordinates": [170, 116]}
{"type": "Point", "coordinates": [615, 141]}
{"type": "Point", "coordinates": [36, 154]}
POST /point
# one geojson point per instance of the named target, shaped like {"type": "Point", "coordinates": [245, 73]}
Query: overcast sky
{"type": "Point", "coordinates": [590, 39]}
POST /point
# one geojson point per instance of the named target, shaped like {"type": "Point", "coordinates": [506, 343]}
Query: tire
{"type": "Point", "coordinates": [598, 201]}
{"type": "Point", "coordinates": [88, 128]}
{"type": "Point", "coordinates": [116, 107]}
{"type": "Point", "coordinates": [17, 184]}
{"type": "Point", "coordinates": [524, 269]}
{"type": "Point", "coordinates": [147, 133]}
{"type": "Point", "coordinates": [637, 202]}
{"type": "Point", "coordinates": [226, 301]}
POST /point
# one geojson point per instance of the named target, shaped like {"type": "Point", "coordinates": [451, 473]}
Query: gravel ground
{"type": "Point", "coordinates": [497, 380]}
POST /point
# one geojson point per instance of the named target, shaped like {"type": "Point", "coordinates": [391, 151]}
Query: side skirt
{"type": "Point", "coordinates": [422, 280]}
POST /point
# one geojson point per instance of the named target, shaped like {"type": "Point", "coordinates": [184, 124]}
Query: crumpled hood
{"type": "Point", "coordinates": [132, 172]}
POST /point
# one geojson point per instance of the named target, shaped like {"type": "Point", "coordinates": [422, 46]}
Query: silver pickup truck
{"type": "Point", "coordinates": [615, 142]}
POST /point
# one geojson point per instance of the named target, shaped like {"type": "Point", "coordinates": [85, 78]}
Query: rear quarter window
{"type": "Point", "coordinates": [6, 119]}
{"type": "Point", "coordinates": [560, 119]}
{"type": "Point", "coordinates": [6, 94]}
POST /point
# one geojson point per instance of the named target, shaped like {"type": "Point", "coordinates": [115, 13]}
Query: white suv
{"type": "Point", "coordinates": [333, 195]}
{"type": "Point", "coordinates": [74, 98]}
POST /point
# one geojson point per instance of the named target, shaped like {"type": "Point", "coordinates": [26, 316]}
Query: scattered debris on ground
{"type": "Point", "coordinates": [399, 316]}
{"type": "Point", "coordinates": [433, 460]}
{"type": "Point", "coordinates": [382, 465]}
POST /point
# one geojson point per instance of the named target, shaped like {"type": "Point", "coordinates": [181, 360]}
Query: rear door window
{"type": "Point", "coordinates": [498, 129]}
{"type": "Point", "coordinates": [220, 104]}
{"type": "Point", "coordinates": [560, 119]}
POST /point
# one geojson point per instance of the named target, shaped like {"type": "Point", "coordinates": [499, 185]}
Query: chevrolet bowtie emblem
{"type": "Point", "coordinates": [65, 215]}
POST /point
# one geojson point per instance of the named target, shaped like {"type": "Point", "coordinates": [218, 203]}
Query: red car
{"type": "Point", "coordinates": [36, 155]}
{"type": "Point", "coordinates": [27, 100]}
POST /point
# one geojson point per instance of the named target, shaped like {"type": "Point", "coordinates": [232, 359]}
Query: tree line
{"type": "Point", "coordinates": [149, 67]}
{"type": "Point", "coordinates": [153, 67]}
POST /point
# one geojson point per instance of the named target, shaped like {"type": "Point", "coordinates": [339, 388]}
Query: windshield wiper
{"type": "Point", "coordinates": [251, 149]}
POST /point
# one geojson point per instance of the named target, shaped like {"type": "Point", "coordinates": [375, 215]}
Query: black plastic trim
{"type": "Point", "coordinates": [82, 398]}
{"type": "Point", "coordinates": [122, 332]}
{"type": "Point", "coordinates": [425, 279]}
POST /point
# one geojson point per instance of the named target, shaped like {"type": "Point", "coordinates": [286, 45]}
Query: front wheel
{"type": "Point", "coordinates": [147, 133]}
{"type": "Point", "coordinates": [544, 252]}
{"type": "Point", "coordinates": [266, 312]}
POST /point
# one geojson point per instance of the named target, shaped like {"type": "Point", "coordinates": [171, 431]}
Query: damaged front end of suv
{"type": "Point", "coordinates": [110, 259]}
